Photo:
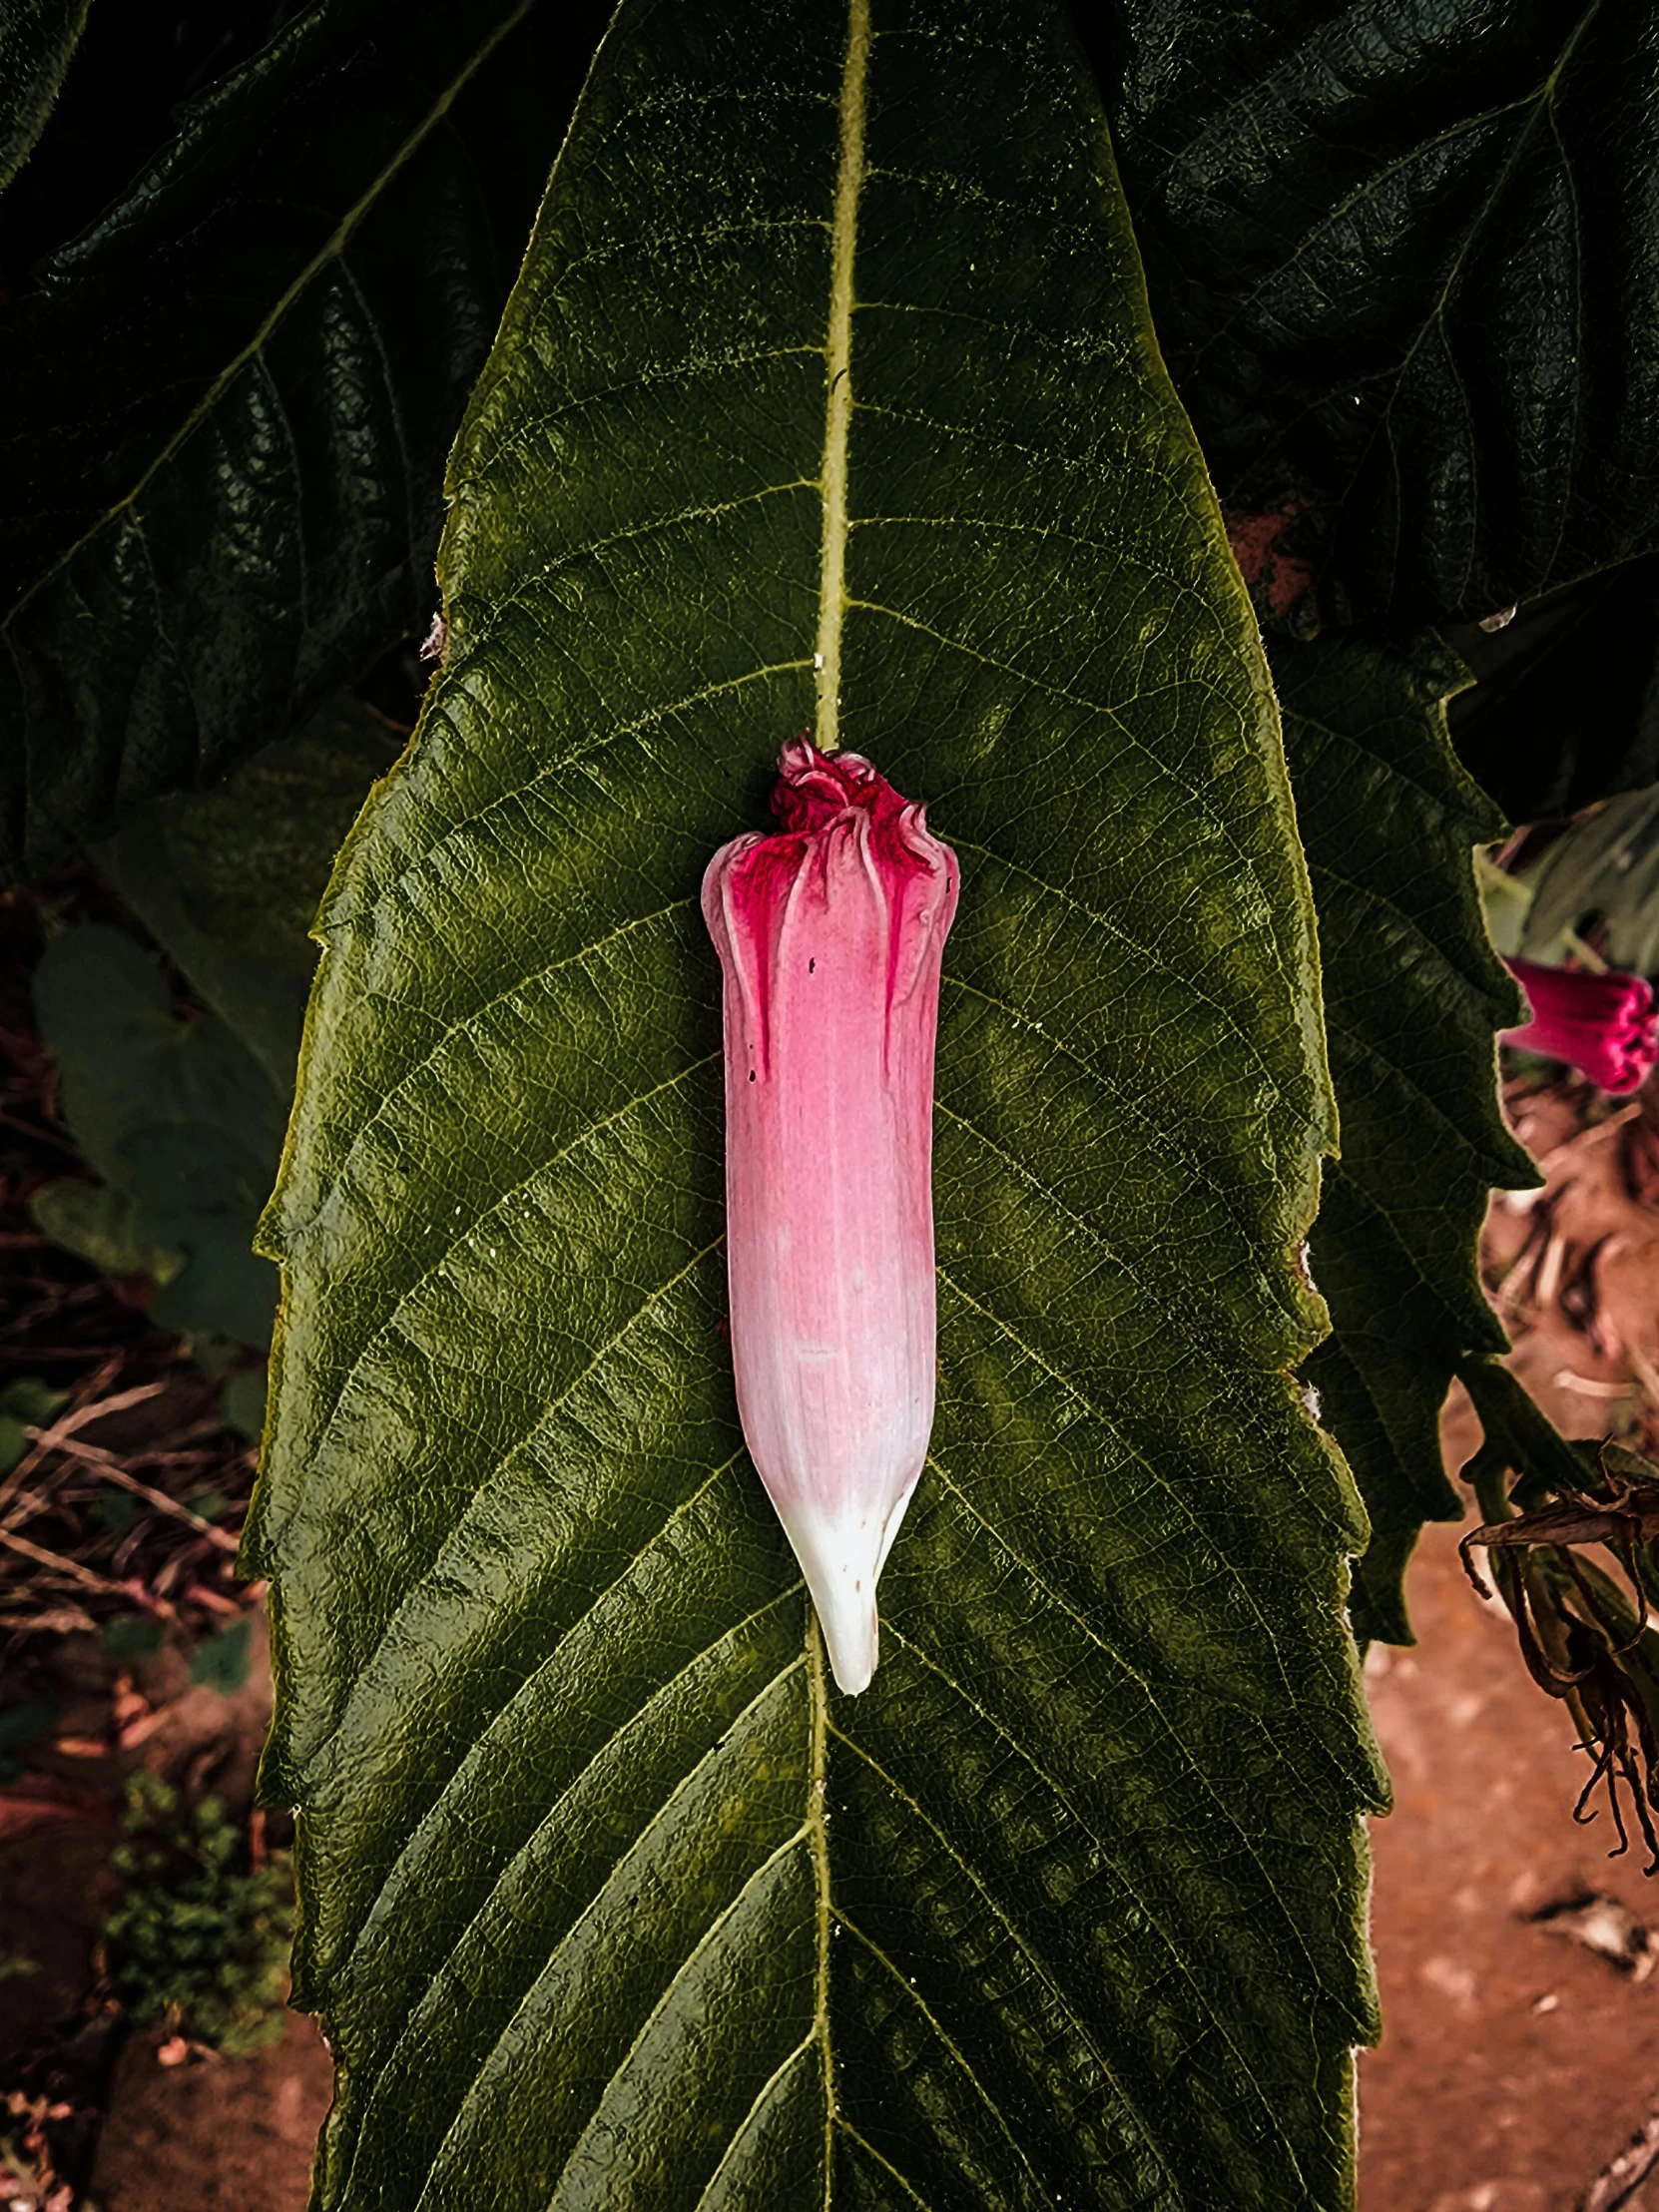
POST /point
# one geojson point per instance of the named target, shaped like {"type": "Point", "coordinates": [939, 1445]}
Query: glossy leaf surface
{"type": "Point", "coordinates": [1413, 996]}
{"type": "Point", "coordinates": [227, 410]}
{"type": "Point", "coordinates": [1405, 266]}
{"type": "Point", "coordinates": [827, 398]}
{"type": "Point", "coordinates": [36, 43]}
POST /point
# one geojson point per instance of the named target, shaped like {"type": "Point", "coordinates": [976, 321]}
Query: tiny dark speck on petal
{"type": "Point", "coordinates": [810, 967]}
{"type": "Point", "coordinates": [752, 1075]}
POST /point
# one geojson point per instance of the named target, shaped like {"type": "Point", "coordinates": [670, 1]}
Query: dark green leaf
{"type": "Point", "coordinates": [37, 39]}
{"type": "Point", "coordinates": [185, 1120]}
{"type": "Point", "coordinates": [94, 1220]}
{"type": "Point", "coordinates": [179, 1120]}
{"type": "Point", "coordinates": [200, 1191]}
{"type": "Point", "coordinates": [229, 880]}
{"type": "Point", "coordinates": [115, 1510]}
{"type": "Point", "coordinates": [30, 1399]}
{"type": "Point", "coordinates": [226, 413]}
{"type": "Point", "coordinates": [137, 64]}
{"type": "Point", "coordinates": [132, 1636]}
{"type": "Point", "coordinates": [24, 1724]}
{"type": "Point", "coordinates": [1564, 709]}
{"type": "Point", "coordinates": [20, 1726]}
{"type": "Point", "coordinates": [1405, 266]}
{"type": "Point", "coordinates": [241, 1402]}
{"type": "Point", "coordinates": [606, 1897]}
{"type": "Point", "coordinates": [1413, 995]}
{"type": "Point", "coordinates": [24, 1405]}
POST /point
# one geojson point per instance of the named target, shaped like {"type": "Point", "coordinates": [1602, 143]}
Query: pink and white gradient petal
{"type": "Point", "coordinates": [829, 936]}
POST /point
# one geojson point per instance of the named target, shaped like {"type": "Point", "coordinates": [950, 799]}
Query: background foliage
{"type": "Point", "coordinates": [1412, 996]}
{"type": "Point", "coordinates": [1407, 278]}
{"type": "Point", "coordinates": [1090, 1844]}
{"type": "Point", "coordinates": [230, 398]}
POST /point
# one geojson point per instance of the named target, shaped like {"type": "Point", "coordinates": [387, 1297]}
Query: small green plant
{"type": "Point", "coordinates": [200, 1941]}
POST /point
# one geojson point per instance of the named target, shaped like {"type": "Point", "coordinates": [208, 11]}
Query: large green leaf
{"type": "Point", "coordinates": [830, 361]}
{"type": "Point", "coordinates": [37, 40]}
{"type": "Point", "coordinates": [227, 410]}
{"type": "Point", "coordinates": [1413, 996]}
{"type": "Point", "coordinates": [1405, 266]}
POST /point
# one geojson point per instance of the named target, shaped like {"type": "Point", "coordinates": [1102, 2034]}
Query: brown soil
{"type": "Point", "coordinates": [214, 2134]}
{"type": "Point", "coordinates": [1516, 2061]}
{"type": "Point", "coordinates": [174, 2126]}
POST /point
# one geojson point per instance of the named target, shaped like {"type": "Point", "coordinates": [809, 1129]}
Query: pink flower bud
{"type": "Point", "coordinates": [1603, 1025]}
{"type": "Point", "coordinates": [829, 936]}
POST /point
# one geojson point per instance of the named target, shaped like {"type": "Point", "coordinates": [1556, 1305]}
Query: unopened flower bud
{"type": "Point", "coordinates": [829, 934]}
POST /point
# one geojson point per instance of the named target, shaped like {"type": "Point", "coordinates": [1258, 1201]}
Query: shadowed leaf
{"type": "Point", "coordinates": [179, 1120]}
{"type": "Point", "coordinates": [1405, 266]}
{"type": "Point", "coordinates": [1564, 708]}
{"type": "Point", "coordinates": [1413, 996]}
{"type": "Point", "coordinates": [36, 43]}
{"type": "Point", "coordinates": [228, 879]}
{"type": "Point", "coordinates": [229, 405]}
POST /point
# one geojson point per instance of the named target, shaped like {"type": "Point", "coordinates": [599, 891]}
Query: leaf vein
{"type": "Point", "coordinates": [1044, 1974]}
{"type": "Point", "coordinates": [716, 1928]}
{"type": "Point", "coordinates": [330, 248]}
{"type": "Point", "coordinates": [948, 2041]}
{"type": "Point", "coordinates": [869, 2150]}
{"type": "Point", "coordinates": [559, 766]}
{"type": "Point", "coordinates": [761, 2097]}
{"type": "Point", "coordinates": [412, 2018]}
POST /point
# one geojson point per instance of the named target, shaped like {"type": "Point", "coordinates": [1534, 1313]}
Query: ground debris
{"type": "Point", "coordinates": [1603, 1923]}
{"type": "Point", "coordinates": [1616, 2187]}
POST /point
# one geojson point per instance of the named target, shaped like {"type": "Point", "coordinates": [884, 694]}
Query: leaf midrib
{"type": "Point", "coordinates": [826, 678]}
{"type": "Point", "coordinates": [844, 236]}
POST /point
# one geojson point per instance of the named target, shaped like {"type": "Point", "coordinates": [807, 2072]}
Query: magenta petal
{"type": "Point", "coordinates": [829, 936]}
{"type": "Point", "coordinates": [1603, 1025]}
